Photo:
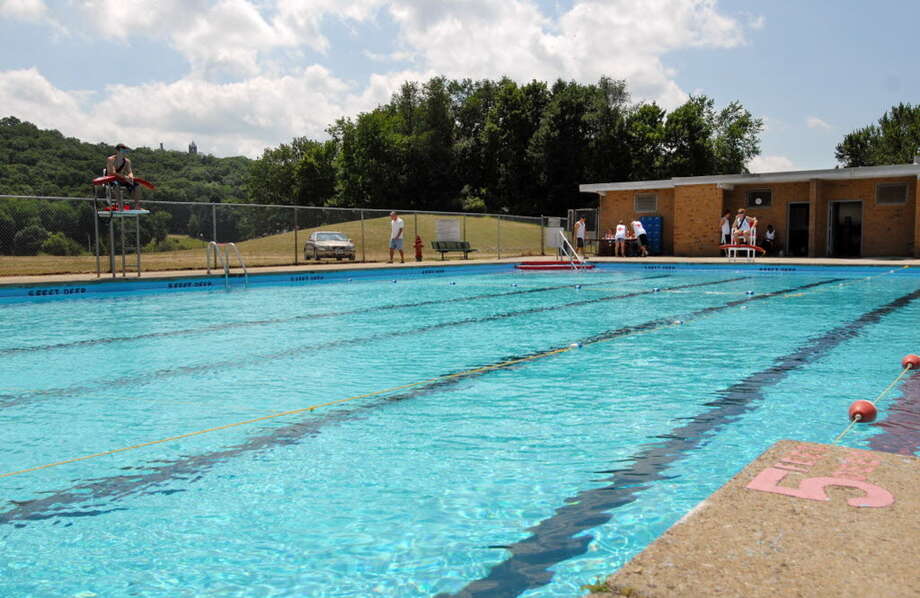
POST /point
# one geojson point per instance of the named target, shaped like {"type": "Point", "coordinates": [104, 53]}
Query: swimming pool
{"type": "Point", "coordinates": [502, 461]}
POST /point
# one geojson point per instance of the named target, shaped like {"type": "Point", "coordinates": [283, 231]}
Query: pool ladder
{"type": "Point", "coordinates": [570, 253]}
{"type": "Point", "coordinates": [222, 257]}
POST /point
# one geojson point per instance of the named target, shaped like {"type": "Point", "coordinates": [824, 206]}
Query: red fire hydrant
{"type": "Point", "coordinates": [418, 248]}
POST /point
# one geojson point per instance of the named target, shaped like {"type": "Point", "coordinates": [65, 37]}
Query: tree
{"type": "Point", "coordinates": [894, 140]}
{"type": "Point", "coordinates": [29, 240]}
{"type": "Point", "coordinates": [737, 139]}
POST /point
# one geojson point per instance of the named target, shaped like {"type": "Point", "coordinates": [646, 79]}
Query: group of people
{"type": "Point", "coordinates": [742, 230]}
{"type": "Point", "coordinates": [622, 234]}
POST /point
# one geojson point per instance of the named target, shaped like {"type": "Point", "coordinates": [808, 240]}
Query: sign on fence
{"type": "Point", "coordinates": [448, 229]}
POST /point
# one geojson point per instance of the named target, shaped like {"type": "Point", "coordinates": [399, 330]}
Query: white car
{"type": "Point", "coordinates": [327, 243]}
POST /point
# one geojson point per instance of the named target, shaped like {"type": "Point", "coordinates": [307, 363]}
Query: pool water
{"type": "Point", "coordinates": [540, 429]}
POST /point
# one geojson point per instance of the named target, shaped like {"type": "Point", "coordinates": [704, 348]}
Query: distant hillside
{"type": "Point", "coordinates": [34, 161]}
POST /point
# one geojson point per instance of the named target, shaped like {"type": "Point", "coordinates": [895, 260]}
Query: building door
{"type": "Point", "coordinates": [797, 241]}
{"type": "Point", "coordinates": [845, 239]}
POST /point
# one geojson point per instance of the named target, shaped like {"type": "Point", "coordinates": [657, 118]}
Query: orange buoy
{"type": "Point", "coordinates": [863, 411]}
{"type": "Point", "coordinates": [911, 362]}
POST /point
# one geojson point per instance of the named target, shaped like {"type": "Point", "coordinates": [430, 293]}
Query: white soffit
{"type": "Point", "coordinates": [795, 176]}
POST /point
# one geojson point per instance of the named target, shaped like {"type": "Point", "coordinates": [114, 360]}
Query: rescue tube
{"type": "Point", "coordinates": [761, 250]}
{"type": "Point", "coordinates": [104, 180]}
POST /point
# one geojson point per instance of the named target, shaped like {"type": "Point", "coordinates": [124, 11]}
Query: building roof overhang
{"type": "Point", "coordinates": [794, 176]}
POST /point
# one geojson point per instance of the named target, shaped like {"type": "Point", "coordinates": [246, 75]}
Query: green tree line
{"type": "Point", "coordinates": [500, 146]}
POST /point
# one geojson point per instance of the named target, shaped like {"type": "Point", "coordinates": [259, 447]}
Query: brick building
{"type": "Point", "coordinates": [870, 211]}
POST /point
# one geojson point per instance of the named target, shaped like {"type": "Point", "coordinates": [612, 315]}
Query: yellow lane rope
{"type": "Point", "coordinates": [469, 372]}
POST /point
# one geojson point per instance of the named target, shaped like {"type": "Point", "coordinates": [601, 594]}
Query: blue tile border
{"type": "Point", "coordinates": [107, 287]}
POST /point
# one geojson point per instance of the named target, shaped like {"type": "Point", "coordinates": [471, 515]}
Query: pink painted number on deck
{"type": "Point", "coordinates": [814, 488]}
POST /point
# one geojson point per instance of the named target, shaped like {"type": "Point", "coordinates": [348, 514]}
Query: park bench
{"type": "Point", "coordinates": [447, 246]}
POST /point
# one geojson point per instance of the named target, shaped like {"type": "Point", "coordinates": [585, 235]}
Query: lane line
{"type": "Point", "coordinates": [11, 400]}
{"type": "Point", "coordinates": [125, 485]}
{"type": "Point", "coordinates": [270, 321]}
{"type": "Point", "coordinates": [563, 535]}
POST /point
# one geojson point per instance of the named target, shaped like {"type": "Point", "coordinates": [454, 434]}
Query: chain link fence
{"type": "Point", "coordinates": [58, 235]}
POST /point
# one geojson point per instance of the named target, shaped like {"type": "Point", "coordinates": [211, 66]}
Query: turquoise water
{"type": "Point", "coordinates": [528, 478]}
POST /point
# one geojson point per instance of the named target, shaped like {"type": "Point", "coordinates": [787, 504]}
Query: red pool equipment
{"type": "Point", "coordinates": [911, 362]}
{"type": "Point", "coordinates": [863, 411]}
{"type": "Point", "coordinates": [557, 265]}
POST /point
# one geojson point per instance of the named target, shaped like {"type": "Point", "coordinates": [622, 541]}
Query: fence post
{"type": "Point", "coordinates": [464, 228]}
{"type": "Point", "coordinates": [214, 222]}
{"type": "Point", "coordinates": [499, 226]}
{"type": "Point", "coordinates": [296, 244]}
{"type": "Point", "coordinates": [363, 244]}
{"type": "Point", "coordinates": [542, 235]}
{"type": "Point", "coordinates": [96, 229]}
{"type": "Point", "coordinates": [137, 242]}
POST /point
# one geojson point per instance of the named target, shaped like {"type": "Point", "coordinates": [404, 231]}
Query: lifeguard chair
{"type": "Point", "coordinates": [109, 203]}
{"type": "Point", "coordinates": [742, 248]}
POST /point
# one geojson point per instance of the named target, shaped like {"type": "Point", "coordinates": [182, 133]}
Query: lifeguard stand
{"type": "Point", "coordinates": [109, 204]}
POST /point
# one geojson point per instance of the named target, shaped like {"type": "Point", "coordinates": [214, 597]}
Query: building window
{"type": "Point", "coordinates": [761, 198]}
{"type": "Point", "coordinates": [646, 202]}
{"type": "Point", "coordinates": [891, 193]}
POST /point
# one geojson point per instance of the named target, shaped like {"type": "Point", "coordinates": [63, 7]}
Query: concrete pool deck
{"type": "Point", "coordinates": [803, 519]}
{"type": "Point", "coordinates": [337, 266]}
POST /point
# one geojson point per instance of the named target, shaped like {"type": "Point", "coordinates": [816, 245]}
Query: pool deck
{"type": "Point", "coordinates": [314, 267]}
{"type": "Point", "coordinates": [804, 520]}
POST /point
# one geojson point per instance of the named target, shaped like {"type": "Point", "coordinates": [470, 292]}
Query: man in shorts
{"type": "Point", "coordinates": [580, 234]}
{"type": "Point", "coordinates": [641, 237]}
{"type": "Point", "coordinates": [397, 227]}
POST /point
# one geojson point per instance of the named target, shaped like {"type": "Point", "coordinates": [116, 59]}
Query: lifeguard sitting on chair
{"type": "Point", "coordinates": [744, 229]}
{"type": "Point", "coordinates": [119, 166]}
{"type": "Point", "coordinates": [118, 177]}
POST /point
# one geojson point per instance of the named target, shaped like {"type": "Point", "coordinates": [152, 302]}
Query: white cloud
{"type": "Point", "coordinates": [619, 38]}
{"type": "Point", "coordinates": [814, 122]}
{"type": "Point", "coordinates": [249, 86]}
{"type": "Point", "coordinates": [770, 164]}
{"type": "Point", "coordinates": [25, 10]}
{"type": "Point", "coordinates": [28, 95]}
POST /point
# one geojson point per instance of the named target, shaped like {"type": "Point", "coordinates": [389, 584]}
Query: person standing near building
{"type": "Point", "coordinates": [619, 240]}
{"type": "Point", "coordinates": [397, 227]}
{"type": "Point", "coordinates": [580, 234]}
{"type": "Point", "coordinates": [725, 229]}
{"type": "Point", "coordinates": [769, 241]}
{"type": "Point", "coordinates": [641, 237]}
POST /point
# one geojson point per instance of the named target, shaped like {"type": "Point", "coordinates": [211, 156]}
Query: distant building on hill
{"type": "Point", "coordinates": [161, 146]}
{"type": "Point", "coordinates": [192, 148]}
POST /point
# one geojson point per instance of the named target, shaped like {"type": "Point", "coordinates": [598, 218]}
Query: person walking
{"type": "Point", "coordinates": [397, 228]}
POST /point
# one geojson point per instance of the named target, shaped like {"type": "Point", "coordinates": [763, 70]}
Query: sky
{"type": "Point", "coordinates": [237, 76]}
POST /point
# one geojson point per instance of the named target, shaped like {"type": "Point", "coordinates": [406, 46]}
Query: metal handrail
{"type": "Point", "coordinates": [574, 258]}
{"type": "Point", "coordinates": [218, 250]}
{"type": "Point", "coordinates": [239, 257]}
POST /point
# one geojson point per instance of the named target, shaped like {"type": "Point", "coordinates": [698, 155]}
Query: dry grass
{"type": "Point", "coordinates": [517, 239]}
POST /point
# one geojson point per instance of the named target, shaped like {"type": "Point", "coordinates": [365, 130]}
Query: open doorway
{"type": "Point", "coordinates": [845, 229]}
{"type": "Point", "coordinates": [797, 236]}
